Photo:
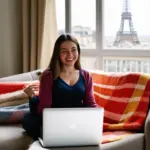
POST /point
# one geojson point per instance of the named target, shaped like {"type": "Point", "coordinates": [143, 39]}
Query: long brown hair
{"type": "Point", "coordinates": [55, 64]}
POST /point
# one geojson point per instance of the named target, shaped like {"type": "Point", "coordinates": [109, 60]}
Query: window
{"type": "Point", "coordinates": [83, 16]}
{"type": "Point", "coordinates": [88, 63]}
{"type": "Point", "coordinates": [126, 24]}
{"type": "Point", "coordinates": [60, 16]}
{"type": "Point", "coordinates": [114, 35]}
{"type": "Point", "coordinates": [117, 64]}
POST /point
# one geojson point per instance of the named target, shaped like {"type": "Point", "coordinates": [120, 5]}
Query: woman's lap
{"type": "Point", "coordinates": [32, 125]}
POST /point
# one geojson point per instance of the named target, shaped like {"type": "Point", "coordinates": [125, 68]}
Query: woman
{"type": "Point", "coordinates": [62, 84]}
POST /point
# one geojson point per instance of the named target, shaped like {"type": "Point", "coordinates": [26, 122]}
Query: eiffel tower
{"type": "Point", "coordinates": [131, 35]}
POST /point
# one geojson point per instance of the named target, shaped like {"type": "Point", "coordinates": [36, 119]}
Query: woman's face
{"type": "Point", "coordinates": [68, 53]}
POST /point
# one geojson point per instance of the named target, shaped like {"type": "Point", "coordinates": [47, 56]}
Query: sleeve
{"type": "Point", "coordinates": [45, 92]}
{"type": "Point", "coordinates": [89, 95]}
{"type": "Point", "coordinates": [33, 104]}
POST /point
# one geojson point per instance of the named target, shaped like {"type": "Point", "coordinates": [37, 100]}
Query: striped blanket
{"type": "Point", "coordinates": [13, 114]}
{"type": "Point", "coordinates": [125, 98]}
{"type": "Point", "coordinates": [13, 101]}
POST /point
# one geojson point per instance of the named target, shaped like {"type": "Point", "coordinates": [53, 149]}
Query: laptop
{"type": "Point", "coordinates": [64, 127]}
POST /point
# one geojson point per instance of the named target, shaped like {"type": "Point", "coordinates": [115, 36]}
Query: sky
{"type": "Point", "coordinates": [84, 14]}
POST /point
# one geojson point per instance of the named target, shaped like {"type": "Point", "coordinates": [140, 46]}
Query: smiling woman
{"type": "Point", "coordinates": [64, 84]}
{"type": "Point", "coordinates": [68, 53]}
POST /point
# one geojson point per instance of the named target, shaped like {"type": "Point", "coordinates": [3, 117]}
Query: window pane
{"type": "Point", "coordinates": [112, 64]}
{"type": "Point", "coordinates": [83, 22]}
{"type": "Point", "coordinates": [126, 24]}
{"type": "Point", "coordinates": [60, 16]}
{"type": "Point", "coordinates": [88, 63]}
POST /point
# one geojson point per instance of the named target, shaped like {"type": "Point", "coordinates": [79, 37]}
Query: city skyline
{"type": "Point", "coordinates": [112, 15]}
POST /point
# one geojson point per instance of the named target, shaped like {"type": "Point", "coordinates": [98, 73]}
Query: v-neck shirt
{"type": "Point", "coordinates": [66, 96]}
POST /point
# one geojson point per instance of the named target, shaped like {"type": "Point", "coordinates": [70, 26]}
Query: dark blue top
{"type": "Point", "coordinates": [65, 95]}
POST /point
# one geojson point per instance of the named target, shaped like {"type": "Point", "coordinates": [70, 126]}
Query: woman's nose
{"type": "Point", "coordinates": [69, 53]}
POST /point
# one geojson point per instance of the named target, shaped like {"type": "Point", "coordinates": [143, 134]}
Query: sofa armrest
{"type": "Point", "coordinates": [147, 132]}
{"type": "Point", "coordinates": [27, 76]}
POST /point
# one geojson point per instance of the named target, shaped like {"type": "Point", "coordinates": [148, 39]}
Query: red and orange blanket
{"type": "Point", "coordinates": [125, 98]}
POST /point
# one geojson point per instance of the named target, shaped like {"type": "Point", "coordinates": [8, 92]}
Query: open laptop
{"type": "Point", "coordinates": [72, 127]}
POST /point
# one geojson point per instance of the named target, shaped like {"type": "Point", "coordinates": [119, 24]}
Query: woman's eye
{"type": "Point", "coordinates": [64, 51]}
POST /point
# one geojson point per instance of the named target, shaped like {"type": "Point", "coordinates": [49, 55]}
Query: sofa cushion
{"type": "Point", "coordinates": [132, 142]}
{"type": "Point", "coordinates": [13, 138]}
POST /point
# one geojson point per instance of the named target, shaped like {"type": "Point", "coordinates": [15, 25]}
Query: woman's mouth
{"type": "Point", "coordinates": [70, 59]}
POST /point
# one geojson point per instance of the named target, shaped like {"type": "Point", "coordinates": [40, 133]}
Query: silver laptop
{"type": "Point", "coordinates": [72, 127]}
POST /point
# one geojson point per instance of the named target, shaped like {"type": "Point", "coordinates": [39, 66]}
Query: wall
{"type": "Point", "coordinates": [10, 37]}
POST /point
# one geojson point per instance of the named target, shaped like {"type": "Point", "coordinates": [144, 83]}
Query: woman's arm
{"type": "Point", "coordinates": [45, 91]}
{"type": "Point", "coordinates": [33, 104]}
{"type": "Point", "coordinates": [29, 90]}
{"type": "Point", "coordinates": [89, 95]}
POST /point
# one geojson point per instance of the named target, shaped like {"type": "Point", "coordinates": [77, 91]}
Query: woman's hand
{"type": "Point", "coordinates": [30, 90]}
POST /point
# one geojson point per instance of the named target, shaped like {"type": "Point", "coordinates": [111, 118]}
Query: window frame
{"type": "Point", "coordinates": [99, 53]}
